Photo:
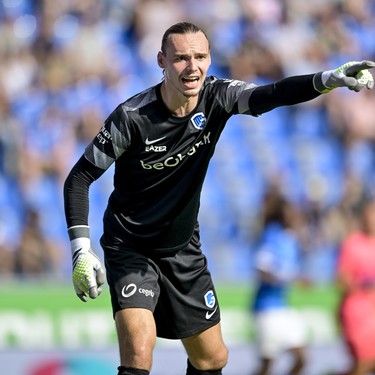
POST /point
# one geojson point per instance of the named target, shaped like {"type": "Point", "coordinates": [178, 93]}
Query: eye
{"type": "Point", "coordinates": [180, 58]}
{"type": "Point", "coordinates": [201, 57]}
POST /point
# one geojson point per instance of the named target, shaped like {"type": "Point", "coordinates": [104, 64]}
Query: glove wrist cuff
{"type": "Point", "coordinates": [78, 231]}
{"type": "Point", "coordinates": [83, 245]}
{"type": "Point", "coordinates": [320, 80]}
{"type": "Point", "coordinates": [79, 238]}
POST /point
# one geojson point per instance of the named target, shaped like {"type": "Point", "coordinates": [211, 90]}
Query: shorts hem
{"type": "Point", "coordinates": [186, 334]}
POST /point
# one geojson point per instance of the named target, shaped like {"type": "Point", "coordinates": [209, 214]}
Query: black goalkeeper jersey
{"type": "Point", "coordinates": [161, 159]}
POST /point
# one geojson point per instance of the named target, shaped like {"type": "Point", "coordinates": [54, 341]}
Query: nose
{"type": "Point", "coordinates": [192, 64]}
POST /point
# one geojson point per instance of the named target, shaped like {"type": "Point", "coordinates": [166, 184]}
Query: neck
{"type": "Point", "coordinates": [178, 104]}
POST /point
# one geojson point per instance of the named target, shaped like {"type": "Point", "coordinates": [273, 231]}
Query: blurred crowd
{"type": "Point", "coordinates": [65, 65]}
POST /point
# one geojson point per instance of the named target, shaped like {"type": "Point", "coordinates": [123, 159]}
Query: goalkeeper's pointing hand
{"type": "Point", "coordinates": [354, 75]}
{"type": "Point", "coordinates": [88, 272]}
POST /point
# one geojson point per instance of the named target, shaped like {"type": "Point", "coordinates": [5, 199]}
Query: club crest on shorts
{"type": "Point", "coordinates": [209, 299]}
{"type": "Point", "coordinates": [199, 120]}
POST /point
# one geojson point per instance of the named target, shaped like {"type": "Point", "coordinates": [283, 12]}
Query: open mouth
{"type": "Point", "coordinates": [190, 81]}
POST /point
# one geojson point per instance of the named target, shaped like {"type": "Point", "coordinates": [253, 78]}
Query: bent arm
{"type": "Point", "coordinates": [76, 191]}
{"type": "Point", "coordinates": [288, 91]}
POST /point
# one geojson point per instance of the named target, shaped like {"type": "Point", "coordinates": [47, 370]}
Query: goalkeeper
{"type": "Point", "coordinates": [161, 141]}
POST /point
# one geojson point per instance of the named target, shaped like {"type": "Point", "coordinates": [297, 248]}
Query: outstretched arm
{"type": "Point", "coordinates": [354, 75]}
{"type": "Point", "coordinates": [288, 91]}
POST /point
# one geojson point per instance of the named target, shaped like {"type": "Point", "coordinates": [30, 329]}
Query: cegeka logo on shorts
{"type": "Point", "coordinates": [130, 289]}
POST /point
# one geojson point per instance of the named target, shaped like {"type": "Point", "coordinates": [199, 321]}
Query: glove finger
{"type": "Point", "coordinates": [368, 64]}
{"type": "Point", "coordinates": [370, 84]}
{"type": "Point", "coordinates": [100, 276]}
{"type": "Point", "coordinates": [81, 290]}
{"type": "Point", "coordinates": [355, 68]}
{"type": "Point", "coordinates": [357, 88]}
{"type": "Point", "coordinates": [93, 285]}
{"type": "Point", "coordinates": [82, 297]}
{"type": "Point", "coordinates": [93, 292]}
{"type": "Point", "coordinates": [82, 284]}
{"type": "Point", "coordinates": [350, 82]}
{"type": "Point", "coordinates": [78, 287]}
{"type": "Point", "coordinates": [80, 294]}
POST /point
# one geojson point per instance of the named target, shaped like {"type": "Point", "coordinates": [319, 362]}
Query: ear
{"type": "Point", "coordinates": [160, 59]}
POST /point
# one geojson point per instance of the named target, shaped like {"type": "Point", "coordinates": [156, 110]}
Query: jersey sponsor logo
{"type": "Point", "coordinates": [150, 147]}
{"type": "Point", "coordinates": [129, 290]}
{"type": "Point", "coordinates": [175, 160]}
{"type": "Point", "coordinates": [199, 120]}
{"type": "Point", "coordinates": [148, 142]}
{"type": "Point", "coordinates": [156, 148]}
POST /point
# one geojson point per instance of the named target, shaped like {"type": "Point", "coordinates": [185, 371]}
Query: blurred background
{"type": "Point", "coordinates": [65, 65]}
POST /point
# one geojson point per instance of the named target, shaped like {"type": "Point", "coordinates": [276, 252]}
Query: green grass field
{"type": "Point", "coordinates": [54, 297]}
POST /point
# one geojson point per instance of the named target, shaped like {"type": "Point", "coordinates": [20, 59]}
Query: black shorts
{"type": "Point", "coordinates": [177, 288]}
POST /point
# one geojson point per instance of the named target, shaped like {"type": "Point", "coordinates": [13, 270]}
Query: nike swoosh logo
{"type": "Point", "coordinates": [153, 141]}
{"type": "Point", "coordinates": [209, 314]}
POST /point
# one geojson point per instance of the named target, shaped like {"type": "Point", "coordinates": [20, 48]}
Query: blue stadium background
{"type": "Point", "coordinates": [66, 65]}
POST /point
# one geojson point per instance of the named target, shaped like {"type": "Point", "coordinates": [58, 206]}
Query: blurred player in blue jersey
{"type": "Point", "coordinates": [278, 327]}
{"type": "Point", "coordinates": [161, 142]}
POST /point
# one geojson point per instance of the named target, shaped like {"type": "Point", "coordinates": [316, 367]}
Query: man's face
{"type": "Point", "coordinates": [185, 63]}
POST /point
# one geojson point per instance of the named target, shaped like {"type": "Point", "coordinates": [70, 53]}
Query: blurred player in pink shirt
{"type": "Point", "coordinates": [356, 277]}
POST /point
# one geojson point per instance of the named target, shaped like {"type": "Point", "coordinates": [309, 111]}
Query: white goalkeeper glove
{"type": "Point", "coordinates": [354, 75]}
{"type": "Point", "coordinates": [88, 272]}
